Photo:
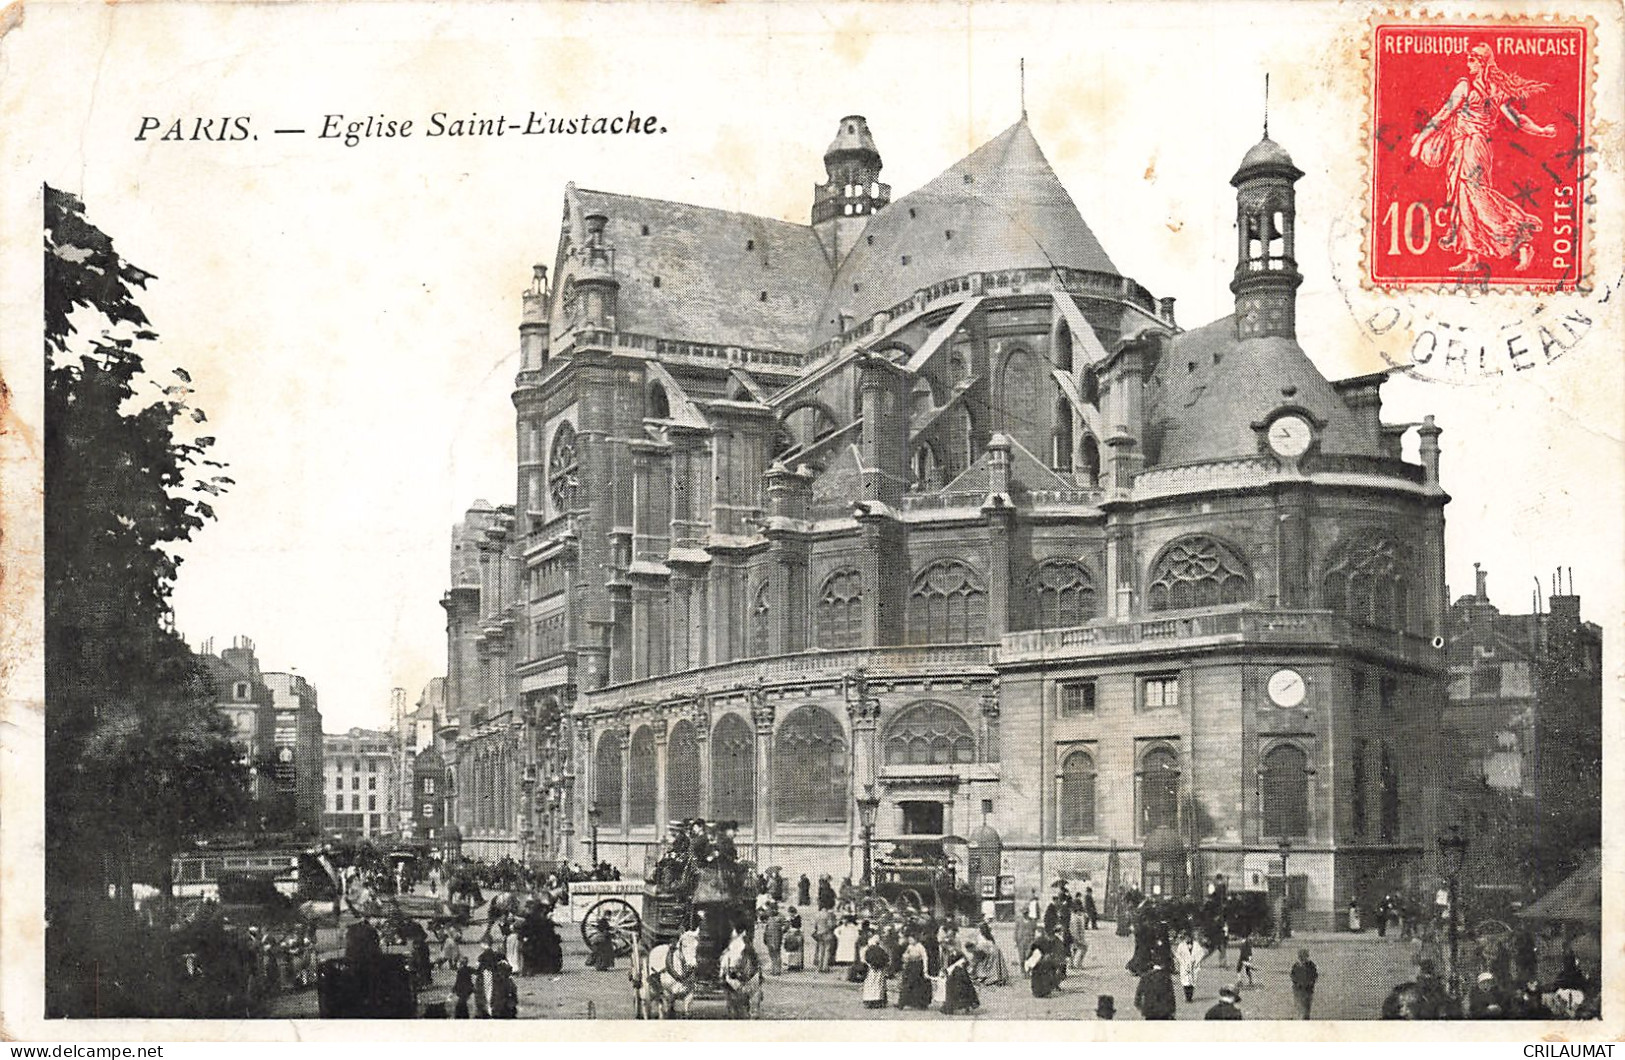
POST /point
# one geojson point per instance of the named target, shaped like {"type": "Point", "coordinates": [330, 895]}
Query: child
{"type": "Point", "coordinates": [1244, 962]}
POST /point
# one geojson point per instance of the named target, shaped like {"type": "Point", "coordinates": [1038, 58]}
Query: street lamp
{"type": "Point", "coordinates": [1453, 852]}
{"type": "Point", "coordinates": [1286, 888]}
{"type": "Point", "coordinates": [868, 805]}
{"type": "Point", "coordinates": [592, 824]}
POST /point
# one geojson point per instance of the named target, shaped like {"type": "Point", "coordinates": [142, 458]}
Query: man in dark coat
{"type": "Point", "coordinates": [463, 988]}
{"type": "Point", "coordinates": [826, 893]}
{"type": "Point", "coordinates": [1091, 913]}
{"type": "Point", "coordinates": [1228, 1006]}
{"type": "Point", "coordinates": [1155, 995]}
{"type": "Point", "coordinates": [804, 891]}
{"type": "Point", "coordinates": [362, 948]}
{"type": "Point", "coordinates": [1304, 977]}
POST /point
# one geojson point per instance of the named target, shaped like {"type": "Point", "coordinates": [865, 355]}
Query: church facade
{"type": "Point", "coordinates": [926, 503]}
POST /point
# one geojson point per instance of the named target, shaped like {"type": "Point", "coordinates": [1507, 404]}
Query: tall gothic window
{"type": "Point", "coordinates": [1370, 582]}
{"type": "Point", "coordinates": [1062, 594]}
{"type": "Point", "coordinates": [840, 610]}
{"type": "Point", "coordinates": [761, 621]}
{"type": "Point", "coordinates": [682, 773]}
{"type": "Point", "coordinates": [1197, 572]}
{"type": "Point", "coordinates": [1284, 793]}
{"type": "Point", "coordinates": [1089, 472]}
{"type": "Point", "coordinates": [1357, 802]}
{"type": "Point", "coordinates": [1077, 797]}
{"type": "Point", "coordinates": [1061, 442]}
{"type": "Point", "coordinates": [810, 767]}
{"type": "Point", "coordinates": [929, 734]}
{"type": "Point", "coordinates": [948, 605]}
{"type": "Point", "coordinates": [923, 468]}
{"type": "Point", "coordinates": [608, 779]}
{"type": "Point", "coordinates": [561, 469]}
{"type": "Point", "coordinates": [1390, 797]}
{"type": "Point", "coordinates": [733, 770]}
{"type": "Point", "coordinates": [642, 783]}
{"type": "Point", "coordinates": [1159, 790]}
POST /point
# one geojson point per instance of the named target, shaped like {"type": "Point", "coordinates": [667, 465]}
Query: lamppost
{"type": "Point", "coordinates": [1286, 888]}
{"type": "Point", "coordinates": [1453, 852]}
{"type": "Point", "coordinates": [868, 805]}
{"type": "Point", "coordinates": [592, 824]}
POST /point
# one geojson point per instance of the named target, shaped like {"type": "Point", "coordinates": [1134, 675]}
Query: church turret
{"type": "Point", "coordinates": [852, 191]}
{"type": "Point", "coordinates": [1267, 277]}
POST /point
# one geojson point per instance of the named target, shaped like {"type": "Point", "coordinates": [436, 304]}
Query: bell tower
{"type": "Point", "coordinates": [1267, 277]}
{"type": "Point", "coordinates": [852, 191]}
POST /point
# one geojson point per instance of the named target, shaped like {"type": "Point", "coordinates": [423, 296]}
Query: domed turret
{"type": "Point", "coordinates": [1267, 277]}
{"type": "Point", "coordinates": [852, 191]}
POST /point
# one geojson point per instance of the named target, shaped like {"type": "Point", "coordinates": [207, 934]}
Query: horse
{"type": "Point", "coordinates": [664, 976]}
{"type": "Point", "coordinates": [741, 972]}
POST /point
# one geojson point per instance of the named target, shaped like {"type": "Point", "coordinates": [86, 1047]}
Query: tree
{"type": "Point", "coordinates": [137, 757]}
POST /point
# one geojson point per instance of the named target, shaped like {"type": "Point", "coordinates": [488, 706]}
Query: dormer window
{"type": "Point", "coordinates": [645, 230]}
{"type": "Point", "coordinates": [763, 297]}
{"type": "Point", "coordinates": [241, 691]}
{"type": "Point", "coordinates": [657, 281]}
{"type": "Point", "coordinates": [750, 244]}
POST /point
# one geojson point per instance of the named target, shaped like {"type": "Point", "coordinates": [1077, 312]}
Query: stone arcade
{"type": "Point", "coordinates": [926, 500]}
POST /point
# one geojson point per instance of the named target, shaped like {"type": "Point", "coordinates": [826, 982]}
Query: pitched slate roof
{"type": "Point", "coordinates": [710, 284]}
{"type": "Point", "coordinates": [1211, 387]}
{"type": "Point", "coordinates": [1005, 208]}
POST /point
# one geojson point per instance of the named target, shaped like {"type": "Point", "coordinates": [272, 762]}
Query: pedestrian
{"type": "Point", "coordinates": [1091, 912]}
{"type": "Point", "coordinates": [1354, 915]}
{"type": "Point", "coordinates": [913, 989]}
{"type": "Point", "coordinates": [462, 988]}
{"type": "Point", "coordinates": [1304, 975]}
{"type": "Point", "coordinates": [451, 949]}
{"type": "Point", "coordinates": [1080, 927]}
{"type": "Point", "coordinates": [1155, 995]}
{"type": "Point", "coordinates": [958, 992]}
{"type": "Point", "coordinates": [803, 891]}
{"type": "Point", "coordinates": [773, 938]}
{"type": "Point", "coordinates": [511, 946]}
{"type": "Point", "coordinates": [823, 939]}
{"type": "Point", "coordinates": [987, 960]}
{"type": "Point", "coordinates": [1188, 956]}
{"type": "Point", "coordinates": [1228, 1006]}
{"type": "Point", "coordinates": [1486, 1000]}
{"type": "Point", "coordinates": [504, 994]}
{"type": "Point", "coordinates": [845, 944]}
{"type": "Point", "coordinates": [1045, 963]}
{"type": "Point", "coordinates": [1024, 937]}
{"type": "Point", "coordinates": [876, 962]}
{"type": "Point", "coordinates": [1034, 909]}
{"type": "Point", "coordinates": [795, 957]}
{"type": "Point", "coordinates": [1244, 960]}
{"type": "Point", "coordinates": [602, 954]}
{"type": "Point", "coordinates": [1105, 1007]}
{"type": "Point", "coordinates": [826, 893]}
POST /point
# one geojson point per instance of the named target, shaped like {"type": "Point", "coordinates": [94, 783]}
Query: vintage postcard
{"type": "Point", "coordinates": [863, 520]}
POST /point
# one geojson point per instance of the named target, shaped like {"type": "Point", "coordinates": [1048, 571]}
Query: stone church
{"type": "Point", "coordinates": [924, 503]}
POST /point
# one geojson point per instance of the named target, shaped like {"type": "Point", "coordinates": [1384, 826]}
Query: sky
{"type": "Point", "coordinates": [349, 314]}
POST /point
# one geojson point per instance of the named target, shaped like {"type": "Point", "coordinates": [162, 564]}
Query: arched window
{"type": "Point", "coordinates": [921, 401]}
{"type": "Point", "coordinates": [607, 771]}
{"type": "Point", "coordinates": [1284, 792]}
{"type": "Point", "coordinates": [810, 765]}
{"type": "Point", "coordinates": [840, 610]}
{"type": "Point", "coordinates": [1197, 572]}
{"type": "Point", "coordinates": [1159, 790]}
{"type": "Point", "coordinates": [1020, 408]}
{"type": "Point", "coordinates": [1077, 797]}
{"type": "Point", "coordinates": [641, 788]}
{"type": "Point", "coordinates": [682, 773]}
{"type": "Point", "coordinates": [659, 404]}
{"type": "Point", "coordinates": [1063, 347]}
{"type": "Point", "coordinates": [1062, 594]}
{"type": "Point", "coordinates": [761, 628]}
{"type": "Point", "coordinates": [1369, 582]}
{"type": "Point", "coordinates": [561, 469]}
{"type": "Point", "coordinates": [1390, 797]}
{"type": "Point", "coordinates": [733, 770]}
{"type": "Point", "coordinates": [929, 734]}
{"type": "Point", "coordinates": [1089, 473]}
{"type": "Point", "coordinates": [948, 605]}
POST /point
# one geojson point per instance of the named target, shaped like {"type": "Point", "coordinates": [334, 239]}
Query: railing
{"type": "Point", "coordinates": [1368, 465]}
{"type": "Point", "coordinates": [1240, 622]}
{"type": "Point", "coordinates": [786, 669]}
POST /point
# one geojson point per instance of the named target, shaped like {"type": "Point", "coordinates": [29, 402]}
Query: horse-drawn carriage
{"type": "Point", "coordinates": [919, 877]}
{"type": "Point", "coordinates": [693, 937]}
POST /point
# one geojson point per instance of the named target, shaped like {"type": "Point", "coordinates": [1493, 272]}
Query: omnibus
{"type": "Point", "coordinates": [196, 873]}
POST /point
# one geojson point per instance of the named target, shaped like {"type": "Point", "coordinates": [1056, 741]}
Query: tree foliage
{"type": "Point", "coordinates": [137, 757]}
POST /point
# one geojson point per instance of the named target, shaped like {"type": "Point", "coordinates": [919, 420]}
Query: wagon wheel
{"type": "Point", "coordinates": [623, 924]}
{"type": "Point", "coordinates": [872, 906]}
{"type": "Point", "coordinates": [910, 899]}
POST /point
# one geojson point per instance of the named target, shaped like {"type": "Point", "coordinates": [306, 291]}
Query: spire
{"type": "Point", "coordinates": [1023, 75]}
{"type": "Point", "coordinates": [1266, 104]}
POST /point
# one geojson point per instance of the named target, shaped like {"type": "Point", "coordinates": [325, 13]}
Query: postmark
{"type": "Point", "coordinates": [1479, 155]}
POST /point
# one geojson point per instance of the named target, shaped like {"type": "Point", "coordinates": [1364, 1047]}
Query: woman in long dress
{"type": "Point", "coordinates": [1483, 223]}
{"type": "Point", "coordinates": [1045, 963]}
{"type": "Point", "coordinates": [875, 960]}
{"type": "Point", "coordinates": [846, 941]}
{"type": "Point", "coordinates": [987, 960]}
{"type": "Point", "coordinates": [914, 989]}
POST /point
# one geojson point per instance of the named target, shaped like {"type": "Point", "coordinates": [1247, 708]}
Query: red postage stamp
{"type": "Point", "coordinates": [1480, 159]}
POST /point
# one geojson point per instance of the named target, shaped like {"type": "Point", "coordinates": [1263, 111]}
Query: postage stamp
{"type": "Point", "coordinates": [1480, 154]}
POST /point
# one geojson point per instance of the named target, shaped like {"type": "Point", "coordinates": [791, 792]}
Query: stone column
{"type": "Point", "coordinates": [700, 717]}
{"type": "Point", "coordinates": [761, 713]}
{"type": "Point", "coordinates": [990, 722]}
{"type": "Point", "coordinates": [662, 730]}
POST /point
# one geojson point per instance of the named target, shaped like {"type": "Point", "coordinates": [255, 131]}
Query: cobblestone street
{"type": "Point", "coordinates": [1356, 972]}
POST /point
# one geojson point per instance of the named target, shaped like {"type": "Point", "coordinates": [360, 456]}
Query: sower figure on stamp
{"type": "Point", "coordinates": [1483, 222]}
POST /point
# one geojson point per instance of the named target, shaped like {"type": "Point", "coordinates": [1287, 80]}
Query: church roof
{"type": "Point", "coordinates": [710, 284]}
{"type": "Point", "coordinates": [1211, 387]}
{"type": "Point", "coordinates": [1266, 152]}
{"type": "Point", "coordinates": [1005, 209]}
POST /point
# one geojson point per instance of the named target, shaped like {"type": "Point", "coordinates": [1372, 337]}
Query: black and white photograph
{"type": "Point", "coordinates": [951, 515]}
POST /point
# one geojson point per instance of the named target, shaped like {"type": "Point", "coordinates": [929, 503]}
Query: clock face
{"type": "Point", "coordinates": [1290, 435]}
{"type": "Point", "coordinates": [1287, 688]}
